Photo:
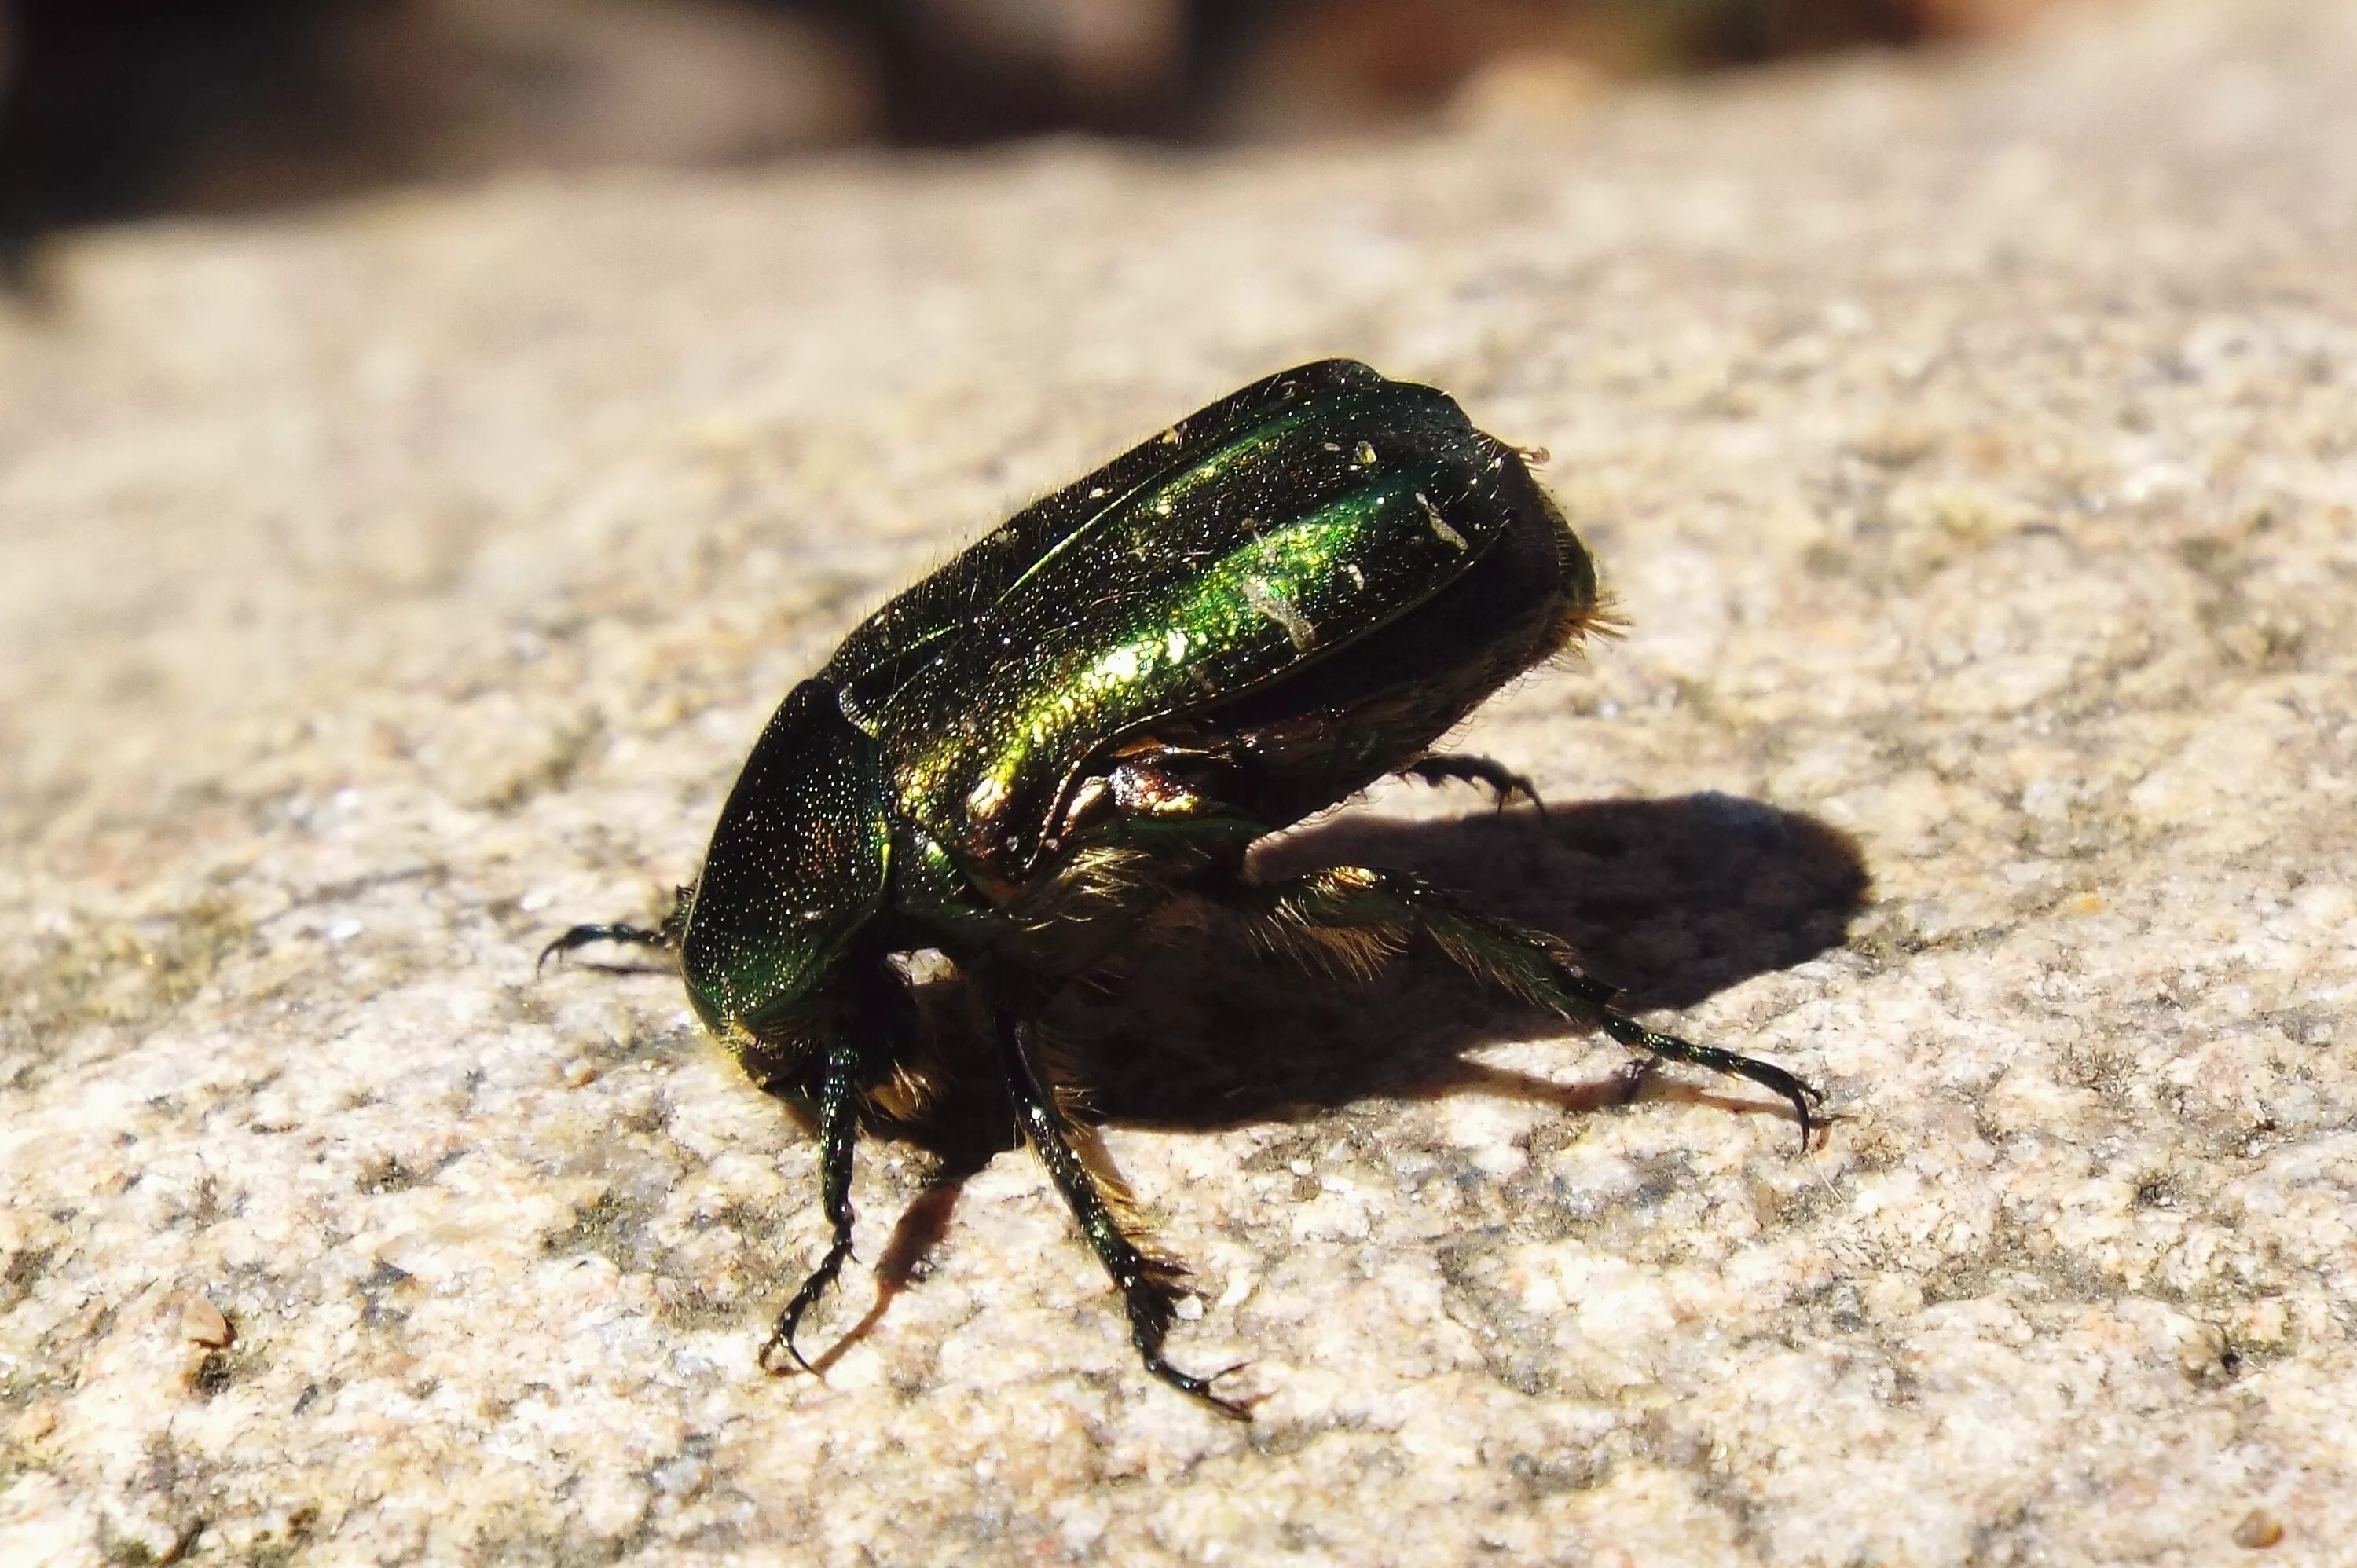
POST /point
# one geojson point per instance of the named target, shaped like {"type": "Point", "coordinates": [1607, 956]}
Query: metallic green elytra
{"type": "Point", "coordinates": [1074, 732]}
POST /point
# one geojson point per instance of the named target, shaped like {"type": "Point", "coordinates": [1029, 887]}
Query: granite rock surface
{"type": "Point", "coordinates": [1971, 446]}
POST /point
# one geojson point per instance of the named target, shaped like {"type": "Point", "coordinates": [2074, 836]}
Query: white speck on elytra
{"type": "Point", "coordinates": [1440, 528]}
{"type": "Point", "coordinates": [1269, 603]}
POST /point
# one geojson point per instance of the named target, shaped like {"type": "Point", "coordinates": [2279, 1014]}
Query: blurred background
{"type": "Point", "coordinates": [114, 108]}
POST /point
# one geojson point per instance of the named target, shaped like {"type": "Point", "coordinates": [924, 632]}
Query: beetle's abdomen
{"type": "Point", "coordinates": [1334, 727]}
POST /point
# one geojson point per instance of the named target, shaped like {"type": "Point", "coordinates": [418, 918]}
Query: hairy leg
{"type": "Point", "coordinates": [1149, 1284]}
{"type": "Point", "coordinates": [1356, 915]}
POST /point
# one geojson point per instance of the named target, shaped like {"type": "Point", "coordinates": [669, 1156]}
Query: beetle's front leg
{"type": "Point", "coordinates": [1149, 1284]}
{"type": "Point", "coordinates": [585, 936]}
{"type": "Point", "coordinates": [838, 1131]}
{"type": "Point", "coordinates": [665, 936]}
{"type": "Point", "coordinates": [1350, 912]}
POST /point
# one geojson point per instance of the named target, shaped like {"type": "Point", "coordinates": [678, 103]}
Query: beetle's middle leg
{"type": "Point", "coordinates": [838, 1132]}
{"type": "Point", "coordinates": [1149, 1284]}
{"type": "Point", "coordinates": [1353, 915]}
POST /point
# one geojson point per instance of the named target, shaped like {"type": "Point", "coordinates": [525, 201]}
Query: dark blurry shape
{"type": "Point", "coordinates": [112, 108]}
{"type": "Point", "coordinates": [1330, 66]}
{"type": "Point", "coordinates": [101, 102]}
{"type": "Point", "coordinates": [116, 108]}
{"type": "Point", "coordinates": [573, 82]}
{"type": "Point", "coordinates": [970, 70]}
{"type": "Point", "coordinates": [1322, 66]}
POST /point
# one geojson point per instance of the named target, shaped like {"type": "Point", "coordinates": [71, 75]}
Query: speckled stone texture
{"type": "Point", "coordinates": [1973, 447]}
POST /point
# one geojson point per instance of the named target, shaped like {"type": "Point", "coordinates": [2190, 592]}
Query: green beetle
{"type": "Point", "coordinates": [1077, 728]}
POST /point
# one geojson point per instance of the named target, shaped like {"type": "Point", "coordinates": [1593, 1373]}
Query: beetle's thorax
{"type": "Point", "coordinates": [798, 866]}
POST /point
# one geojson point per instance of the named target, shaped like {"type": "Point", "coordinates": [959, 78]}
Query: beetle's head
{"type": "Point", "coordinates": [796, 867]}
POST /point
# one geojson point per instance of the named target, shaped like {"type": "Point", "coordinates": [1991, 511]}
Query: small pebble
{"type": "Point", "coordinates": [2258, 1530]}
{"type": "Point", "coordinates": [579, 1074]}
{"type": "Point", "coordinates": [203, 1323]}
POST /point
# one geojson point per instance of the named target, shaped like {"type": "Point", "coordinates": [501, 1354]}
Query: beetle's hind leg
{"type": "Point", "coordinates": [1149, 1284]}
{"type": "Point", "coordinates": [838, 1132]}
{"type": "Point", "coordinates": [1347, 913]}
{"type": "Point", "coordinates": [1501, 780]}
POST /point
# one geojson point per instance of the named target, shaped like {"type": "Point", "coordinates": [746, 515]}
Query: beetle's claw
{"type": "Point", "coordinates": [1201, 1388]}
{"type": "Point", "coordinates": [781, 1337]}
{"type": "Point", "coordinates": [791, 1320]}
{"type": "Point", "coordinates": [1239, 1409]}
{"type": "Point", "coordinates": [1797, 1092]}
{"type": "Point", "coordinates": [789, 1324]}
{"type": "Point", "coordinates": [1801, 1094]}
{"type": "Point", "coordinates": [1803, 1102]}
